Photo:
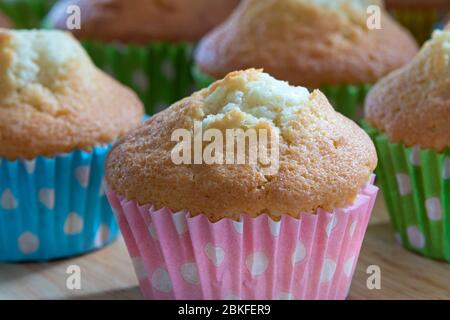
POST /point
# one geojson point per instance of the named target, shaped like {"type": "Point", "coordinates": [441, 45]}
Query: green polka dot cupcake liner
{"type": "Point", "coordinates": [160, 73]}
{"type": "Point", "coordinates": [54, 207]}
{"type": "Point", "coordinates": [347, 99]}
{"type": "Point", "coordinates": [26, 14]}
{"type": "Point", "coordinates": [420, 22]}
{"type": "Point", "coordinates": [416, 188]}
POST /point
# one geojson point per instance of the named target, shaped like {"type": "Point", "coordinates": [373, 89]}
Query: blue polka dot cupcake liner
{"type": "Point", "coordinates": [416, 187]}
{"type": "Point", "coordinates": [55, 207]}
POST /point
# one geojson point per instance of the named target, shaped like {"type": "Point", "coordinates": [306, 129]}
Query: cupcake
{"type": "Point", "coordinates": [292, 231]}
{"type": "Point", "coordinates": [26, 13]}
{"type": "Point", "coordinates": [408, 114]}
{"type": "Point", "coordinates": [419, 16]}
{"type": "Point", "coordinates": [324, 44]}
{"type": "Point", "coordinates": [59, 115]}
{"type": "Point", "coordinates": [146, 44]}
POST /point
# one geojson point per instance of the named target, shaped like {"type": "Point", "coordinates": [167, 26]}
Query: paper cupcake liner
{"type": "Point", "coordinates": [160, 73]}
{"type": "Point", "coordinates": [416, 188]}
{"type": "Point", "coordinates": [420, 22]}
{"type": "Point", "coordinates": [347, 99]}
{"type": "Point", "coordinates": [177, 256]}
{"type": "Point", "coordinates": [26, 14]}
{"type": "Point", "coordinates": [54, 207]}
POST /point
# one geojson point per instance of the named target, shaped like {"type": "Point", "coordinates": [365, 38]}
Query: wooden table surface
{"type": "Point", "coordinates": [108, 273]}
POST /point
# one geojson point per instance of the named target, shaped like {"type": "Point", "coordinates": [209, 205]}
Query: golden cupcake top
{"type": "Point", "coordinates": [307, 42]}
{"type": "Point", "coordinates": [412, 105]}
{"type": "Point", "coordinates": [142, 21]}
{"type": "Point", "coordinates": [54, 100]}
{"type": "Point", "coordinates": [322, 158]}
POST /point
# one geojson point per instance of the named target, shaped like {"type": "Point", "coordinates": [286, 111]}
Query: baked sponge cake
{"type": "Point", "coordinates": [59, 116]}
{"type": "Point", "coordinates": [408, 115]}
{"type": "Point", "coordinates": [145, 44]}
{"type": "Point", "coordinates": [307, 42]}
{"type": "Point", "coordinates": [412, 104]}
{"type": "Point", "coordinates": [141, 21]}
{"type": "Point", "coordinates": [324, 158]}
{"type": "Point", "coordinates": [191, 223]}
{"type": "Point", "coordinates": [54, 100]}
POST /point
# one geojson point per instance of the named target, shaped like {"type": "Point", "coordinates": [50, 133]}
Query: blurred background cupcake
{"type": "Point", "coordinates": [421, 17]}
{"type": "Point", "coordinates": [245, 231]}
{"type": "Point", "coordinates": [409, 116]}
{"type": "Point", "coordinates": [145, 44]}
{"type": "Point", "coordinates": [58, 116]}
{"type": "Point", "coordinates": [324, 44]}
{"type": "Point", "coordinates": [26, 13]}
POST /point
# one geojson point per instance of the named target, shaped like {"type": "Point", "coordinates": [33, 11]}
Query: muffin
{"type": "Point", "coordinates": [408, 114]}
{"type": "Point", "coordinates": [26, 13]}
{"type": "Point", "coordinates": [310, 43]}
{"type": "Point", "coordinates": [186, 225]}
{"type": "Point", "coordinates": [146, 44]}
{"type": "Point", "coordinates": [419, 16]}
{"type": "Point", "coordinates": [59, 115]}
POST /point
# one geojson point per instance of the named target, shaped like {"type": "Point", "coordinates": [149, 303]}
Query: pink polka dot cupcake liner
{"type": "Point", "coordinates": [177, 256]}
{"type": "Point", "coordinates": [416, 188]}
{"type": "Point", "coordinates": [54, 207]}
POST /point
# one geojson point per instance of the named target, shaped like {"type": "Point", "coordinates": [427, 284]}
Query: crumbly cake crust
{"type": "Point", "coordinates": [325, 158]}
{"type": "Point", "coordinates": [306, 43]}
{"type": "Point", "coordinates": [54, 100]}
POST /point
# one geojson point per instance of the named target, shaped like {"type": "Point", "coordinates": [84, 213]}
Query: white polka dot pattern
{"type": "Point", "coordinates": [82, 175]}
{"type": "Point", "coordinates": [101, 236]}
{"type": "Point", "coordinates": [404, 184]}
{"type": "Point", "coordinates": [214, 254]}
{"type": "Point", "coordinates": [8, 201]}
{"type": "Point", "coordinates": [30, 166]}
{"type": "Point", "coordinates": [414, 157]}
{"type": "Point", "coordinates": [189, 272]}
{"type": "Point", "coordinates": [299, 253]}
{"type": "Point", "coordinates": [328, 270]}
{"type": "Point", "coordinates": [415, 237]}
{"type": "Point", "coordinates": [257, 263]}
{"type": "Point", "coordinates": [47, 198]}
{"type": "Point", "coordinates": [434, 210]}
{"type": "Point", "coordinates": [161, 281]}
{"type": "Point", "coordinates": [140, 80]}
{"type": "Point", "coordinates": [255, 258]}
{"type": "Point", "coordinates": [28, 243]}
{"type": "Point", "coordinates": [73, 224]}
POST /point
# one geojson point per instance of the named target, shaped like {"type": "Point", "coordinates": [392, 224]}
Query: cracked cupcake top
{"type": "Point", "coordinates": [142, 21]}
{"type": "Point", "coordinates": [54, 100]}
{"type": "Point", "coordinates": [324, 158]}
{"type": "Point", "coordinates": [306, 42]}
{"type": "Point", "coordinates": [412, 105]}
